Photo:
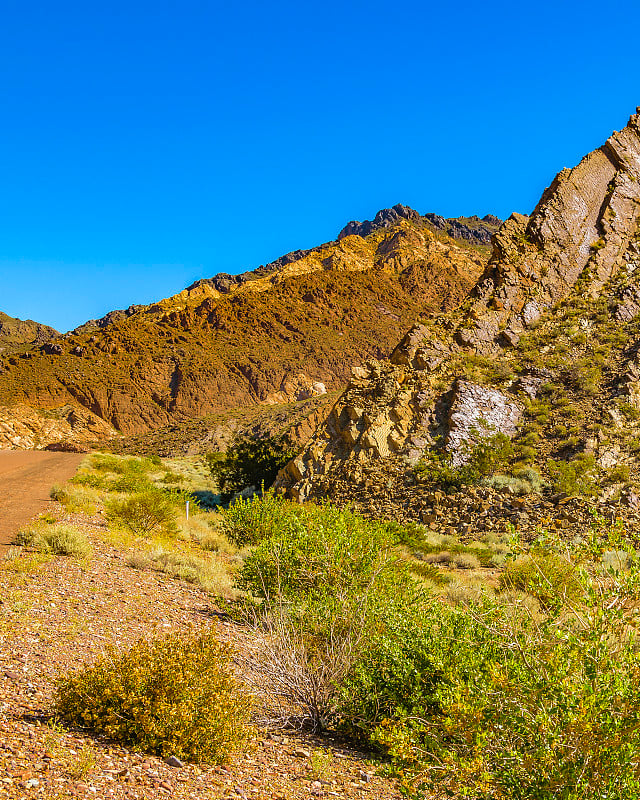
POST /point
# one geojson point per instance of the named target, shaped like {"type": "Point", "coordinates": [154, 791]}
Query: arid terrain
{"type": "Point", "coordinates": [58, 613]}
{"type": "Point", "coordinates": [280, 334]}
{"type": "Point", "coordinates": [26, 478]}
{"type": "Point", "coordinates": [444, 577]}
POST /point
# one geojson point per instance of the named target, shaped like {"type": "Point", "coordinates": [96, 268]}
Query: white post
{"type": "Point", "coordinates": [187, 509]}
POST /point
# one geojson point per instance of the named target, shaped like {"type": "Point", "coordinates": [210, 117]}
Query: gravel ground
{"type": "Point", "coordinates": [59, 613]}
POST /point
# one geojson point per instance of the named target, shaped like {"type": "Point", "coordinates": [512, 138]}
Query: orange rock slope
{"type": "Point", "coordinates": [279, 334]}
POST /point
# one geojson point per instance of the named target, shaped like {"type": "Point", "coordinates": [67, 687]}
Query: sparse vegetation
{"type": "Point", "coordinates": [55, 538]}
{"type": "Point", "coordinates": [205, 570]}
{"type": "Point", "coordinates": [479, 458]}
{"type": "Point", "coordinates": [171, 696]}
{"type": "Point", "coordinates": [144, 514]}
{"type": "Point", "coordinates": [574, 477]}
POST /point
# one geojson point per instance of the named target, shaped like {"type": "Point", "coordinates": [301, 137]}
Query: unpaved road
{"type": "Point", "coordinates": [26, 476]}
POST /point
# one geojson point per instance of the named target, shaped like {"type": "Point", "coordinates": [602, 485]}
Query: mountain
{"type": "Point", "coordinates": [284, 332]}
{"type": "Point", "coordinates": [545, 351]}
{"type": "Point", "coordinates": [16, 333]}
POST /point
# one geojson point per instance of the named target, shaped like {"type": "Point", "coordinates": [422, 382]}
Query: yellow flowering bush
{"type": "Point", "coordinates": [176, 695]}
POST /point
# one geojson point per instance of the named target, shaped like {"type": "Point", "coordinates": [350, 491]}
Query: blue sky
{"type": "Point", "coordinates": [145, 145]}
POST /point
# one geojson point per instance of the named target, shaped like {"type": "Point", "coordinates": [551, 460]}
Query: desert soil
{"type": "Point", "coordinates": [26, 476]}
{"type": "Point", "coordinates": [58, 613]}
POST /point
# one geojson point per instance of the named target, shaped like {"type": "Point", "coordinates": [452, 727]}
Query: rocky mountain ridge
{"type": "Point", "coordinates": [543, 352]}
{"type": "Point", "coordinates": [281, 336]}
{"type": "Point", "coordinates": [18, 333]}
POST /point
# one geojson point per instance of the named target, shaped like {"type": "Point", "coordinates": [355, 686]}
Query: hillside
{"type": "Point", "coordinates": [544, 351]}
{"type": "Point", "coordinates": [16, 333]}
{"type": "Point", "coordinates": [286, 331]}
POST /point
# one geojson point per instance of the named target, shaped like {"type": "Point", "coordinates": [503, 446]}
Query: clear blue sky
{"type": "Point", "coordinates": [145, 145]}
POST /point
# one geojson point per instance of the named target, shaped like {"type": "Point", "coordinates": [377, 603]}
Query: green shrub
{"type": "Point", "coordinates": [491, 698]}
{"type": "Point", "coordinates": [144, 514]}
{"type": "Point", "coordinates": [574, 477]}
{"type": "Point", "coordinates": [122, 465]}
{"type": "Point", "coordinates": [250, 462]}
{"type": "Point", "coordinates": [172, 696]}
{"type": "Point", "coordinates": [547, 712]}
{"type": "Point", "coordinates": [526, 480]}
{"type": "Point", "coordinates": [630, 411]}
{"type": "Point", "coordinates": [319, 550]}
{"type": "Point", "coordinates": [549, 577]}
{"type": "Point", "coordinates": [58, 493]}
{"type": "Point", "coordinates": [396, 674]}
{"type": "Point", "coordinates": [75, 500]}
{"type": "Point", "coordinates": [130, 482]}
{"type": "Point", "coordinates": [249, 521]}
{"type": "Point", "coordinates": [483, 456]}
{"type": "Point", "coordinates": [585, 375]}
{"type": "Point", "coordinates": [618, 474]}
{"type": "Point", "coordinates": [91, 480]}
{"type": "Point", "coordinates": [54, 538]}
{"type": "Point", "coordinates": [520, 705]}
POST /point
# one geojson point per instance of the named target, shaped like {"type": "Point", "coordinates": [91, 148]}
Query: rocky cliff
{"type": "Point", "coordinates": [286, 332]}
{"type": "Point", "coordinates": [544, 352]}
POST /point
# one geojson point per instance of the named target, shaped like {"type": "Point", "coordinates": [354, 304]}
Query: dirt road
{"type": "Point", "coordinates": [26, 476]}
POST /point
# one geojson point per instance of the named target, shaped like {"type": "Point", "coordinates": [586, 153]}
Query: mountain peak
{"type": "Point", "coordinates": [471, 229]}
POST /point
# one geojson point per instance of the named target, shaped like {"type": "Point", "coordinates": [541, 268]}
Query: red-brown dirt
{"type": "Point", "coordinates": [26, 476]}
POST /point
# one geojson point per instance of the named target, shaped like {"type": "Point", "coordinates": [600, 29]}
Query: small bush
{"type": "Point", "coordinates": [443, 557]}
{"type": "Point", "coordinates": [143, 514]}
{"type": "Point", "coordinates": [526, 480]}
{"type": "Point", "coordinates": [574, 477]}
{"type": "Point", "coordinates": [466, 561]}
{"type": "Point", "coordinates": [172, 696]}
{"type": "Point", "coordinates": [62, 540]}
{"type": "Point", "coordinates": [550, 578]}
{"type": "Point", "coordinates": [91, 480]}
{"type": "Point", "coordinates": [618, 474]}
{"type": "Point", "coordinates": [482, 456]}
{"type": "Point", "coordinates": [58, 493]}
{"type": "Point", "coordinates": [248, 522]}
{"type": "Point", "coordinates": [319, 550]}
{"type": "Point", "coordinates": [76, 499]}
{"type": "Point", "coordinates": [130, 483]}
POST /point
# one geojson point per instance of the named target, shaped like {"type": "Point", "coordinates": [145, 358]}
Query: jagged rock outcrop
{"type": "Point", "coordinates": [545, 351]}
{"type": "Point", "coordinates": [385, 218]}
{"type": "Point", "coordinates": [471, 229]}
{"type": "Point", "coordinates": [63, 428]}
{"type": "Point", "coordinates": [588, 216]}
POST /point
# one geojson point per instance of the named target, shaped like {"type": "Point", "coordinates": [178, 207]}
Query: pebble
{"type": "Point", "coordinates": [174, 761]}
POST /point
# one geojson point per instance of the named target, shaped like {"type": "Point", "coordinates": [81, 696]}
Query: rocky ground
{"type": "Point", "coordinates": [57, 614]}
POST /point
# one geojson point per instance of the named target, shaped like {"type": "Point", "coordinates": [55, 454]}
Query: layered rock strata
{"type": "Point", "coordinates": [588, 216]}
